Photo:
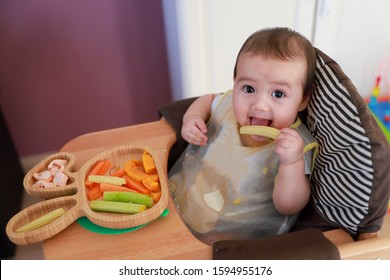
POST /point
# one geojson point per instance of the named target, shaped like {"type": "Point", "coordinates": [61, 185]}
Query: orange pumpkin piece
{"type": "Point", "coordinates": [137, 174]}
{"type": "Point", "coordinates": [148, 163]}
{"type": "Point", "coordinates": [156, 196]}
{"type": "Point", "coordinates": [151, 185]}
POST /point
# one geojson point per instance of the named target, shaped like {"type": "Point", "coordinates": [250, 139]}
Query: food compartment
{"type": "Point", "coordinates": [52, 177]}
{"type": "Point", "coordinates": [130, 191]}
{"type": "Point", "coordinates": [42, 220]}
{"type": "Point", "coordinates": [38, 210]}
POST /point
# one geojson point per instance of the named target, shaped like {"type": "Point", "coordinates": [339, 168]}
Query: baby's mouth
{"type": "Point", "coordinates": [257, 132]}
{"type": "Point", "coordinates": [259, 121]}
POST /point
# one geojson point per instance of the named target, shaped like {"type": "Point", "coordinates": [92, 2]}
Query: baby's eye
{"type": "Point", "coordinates": [248, 89]}
{"type": "Point", "coordinates": [278, 94]}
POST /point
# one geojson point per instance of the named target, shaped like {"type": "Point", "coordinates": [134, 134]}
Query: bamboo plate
{"type": "Point", "coordinates": [73, 197]}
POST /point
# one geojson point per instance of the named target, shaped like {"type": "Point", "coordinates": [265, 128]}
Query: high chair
{"type": "Point", "coordinates": [350, 181]}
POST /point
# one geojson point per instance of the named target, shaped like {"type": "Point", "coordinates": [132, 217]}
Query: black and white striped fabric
{"type": "Point", "coordinates": [343, 177]}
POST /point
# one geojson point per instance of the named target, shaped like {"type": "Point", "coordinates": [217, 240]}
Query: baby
{"type": "Point", "coordinates": [228, 185]}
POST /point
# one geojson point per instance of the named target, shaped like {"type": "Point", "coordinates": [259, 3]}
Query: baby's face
{"type": "Point", "coordinates": [267, 91]}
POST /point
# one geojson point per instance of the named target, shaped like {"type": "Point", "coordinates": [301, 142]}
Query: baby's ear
{"type": "Point", "coordinates": [304, 104]}
{"type": "Point", "coordinates": [306, 99]}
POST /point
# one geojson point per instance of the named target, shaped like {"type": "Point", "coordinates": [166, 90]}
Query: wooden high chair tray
{"type": "Point", "coordinates": [73, 198]}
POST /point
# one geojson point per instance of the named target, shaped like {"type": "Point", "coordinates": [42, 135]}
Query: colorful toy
{"type": "Point", "coordinates": [380, 107]}
{"type": "Point", "coordinates": [388, 208]}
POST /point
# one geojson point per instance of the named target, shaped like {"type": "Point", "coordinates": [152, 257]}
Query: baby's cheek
{"type": "Point", "coordinates": [240, 113]}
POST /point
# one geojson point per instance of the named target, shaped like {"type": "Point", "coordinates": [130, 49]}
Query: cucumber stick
{"type": "Point", "coordinates": [116, 207]}
{"type": "Point", "coordinates": [133, 197]}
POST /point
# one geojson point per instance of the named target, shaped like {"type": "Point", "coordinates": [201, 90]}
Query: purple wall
{"type": "Point", "coordinates": [75, 66]}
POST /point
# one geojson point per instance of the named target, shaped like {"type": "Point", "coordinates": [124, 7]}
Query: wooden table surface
{"type": "Point", "coordinates": [165, 238]}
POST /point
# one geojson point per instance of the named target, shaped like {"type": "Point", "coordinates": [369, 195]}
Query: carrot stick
{"type": "Point", "coordinates": [105, 187]}
{"type": "Point", "coordinates": [119, 173]}
{"type": "Point", "coordinates": [94, 193]}
{"type": "Point", "coordinates": [94, 171]}
{"type": "Point", "coordinates": [106, 166]}
{"type": "Point", "coordinates": [134, 185]}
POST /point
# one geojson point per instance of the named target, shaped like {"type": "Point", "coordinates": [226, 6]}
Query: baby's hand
{"type": "Point", "coordinates": [289, 146]}
{"type": "Point", "coordinates": [194, 130]}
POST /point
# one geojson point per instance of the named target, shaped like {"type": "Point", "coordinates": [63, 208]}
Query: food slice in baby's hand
{"type": "Point", "coordinates": [265, 131]}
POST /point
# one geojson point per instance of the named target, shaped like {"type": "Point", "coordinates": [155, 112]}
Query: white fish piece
{"type": "Point", "coordinates": [44, 184]}
{"type": "Point", "coordinates": [55, 169]}
{"type": "Point", "coordinates": [60, 179]}
{"type": "Point", "coordinates": [58, 162]}
{"type": "Point", "coordinates": [53, 176]}
{"type": "Point", "coordinates": [44, 175]}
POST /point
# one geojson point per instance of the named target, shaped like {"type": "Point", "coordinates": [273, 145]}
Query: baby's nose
{"type": "Point", "coordinates": [261, 103]}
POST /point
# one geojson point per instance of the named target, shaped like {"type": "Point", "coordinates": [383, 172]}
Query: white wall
{"type": "Point", "coordinates": [356, 33]}
{"type": "Point", "coordinates": [205, 36]}
{"type": "Point", "coordinates": [229, 23]}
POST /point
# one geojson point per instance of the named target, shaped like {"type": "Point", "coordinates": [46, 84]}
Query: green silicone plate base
{"type": "Point", "coordinates": [87, 224]}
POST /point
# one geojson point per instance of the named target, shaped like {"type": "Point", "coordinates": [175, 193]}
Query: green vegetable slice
{"type": "Point", "coordinates": [133, 197]}
{"type": "Point", "coordinates": [116, 207]}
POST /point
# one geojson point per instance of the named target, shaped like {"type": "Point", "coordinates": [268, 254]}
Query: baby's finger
{"type": "Point", "coordinates": [289, 132]}
{"type": "Point", "coordinates": [287, 135]}
{"type": "Point", "coordinates": [196, 137]}
{"type": "Point", "coordinates": [201, 126]}
{"type": "Point", "coordinates": [283, 142]}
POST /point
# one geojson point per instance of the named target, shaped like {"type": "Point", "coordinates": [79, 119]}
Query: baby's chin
{"type": "Point", "coordinates": [261, 139]}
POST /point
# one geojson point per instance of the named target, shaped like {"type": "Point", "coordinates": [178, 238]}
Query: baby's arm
{"type": "Point", "coordinates": [194, 120]}
{"type": "Point", "coordinates": [291, 189]}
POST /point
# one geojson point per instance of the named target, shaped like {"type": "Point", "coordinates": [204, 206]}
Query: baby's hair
{"type": "Point", "coordinates": [284, 44]}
